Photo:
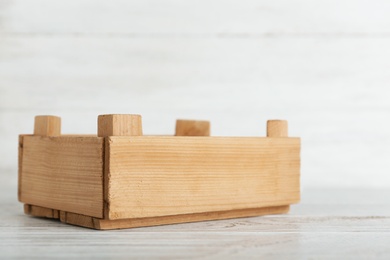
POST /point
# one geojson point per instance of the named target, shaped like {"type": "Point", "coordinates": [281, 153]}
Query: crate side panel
{"type": "Point", "coordinates": [160, 176]}
{"type": "Point", "coordinates": [63, 173]}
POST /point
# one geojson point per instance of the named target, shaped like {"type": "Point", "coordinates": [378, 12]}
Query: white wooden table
{"type": "Point", "coordinates": [328, 223]}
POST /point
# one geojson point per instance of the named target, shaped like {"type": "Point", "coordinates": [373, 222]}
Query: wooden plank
{"type": "Point", "coordinates": [78, 220]}
{"type": "Point", "coordinates": [63, 173]}
{"type": "Point", "coordinates": [157, 176]}
{"type": "Point", "coordinates": [105, 224]}
{"type": "Point", "coordinates": [164, 220]}
{"type": "Point", "coordinates": [47, 126]}
{"type": "Point", "coordinates": [106, 177]}
{"type": "Point", "coordinates": [192, 128]}
{"type": "Point", "coordinates": [119, 124]}
{"type": "Point", "coordinates": [37, 211]}
{"type": "Point", "coordinates": [116, 125]}
{"type": "Point", "coordinates": [277, 128]}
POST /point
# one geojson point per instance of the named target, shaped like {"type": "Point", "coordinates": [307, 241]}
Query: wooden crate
{"type": "Point", "coordinates": [120, 178]}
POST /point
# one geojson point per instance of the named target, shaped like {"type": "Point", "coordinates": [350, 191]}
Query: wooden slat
{"type": "Point", "coordinates": [119, 124]}
{"type": "Point", "coordinates": [164, 220]}
{"type": "Point", "coordinates": [277, 128]}
{"type": "Point", "coordinates": [192, 128]}
{"type": "Point", "coordinates": [78, 220]}
{"type": "Point", "coordinates": [105, 224]}
{"type": "Point", "coordinates": [37, 211]}
{"type": "Point", "coordinates": [159, 176]}
{"type": "Point", "coordinates": [63, 173]}
{"type": "Point", "coordinates": [47, 126]}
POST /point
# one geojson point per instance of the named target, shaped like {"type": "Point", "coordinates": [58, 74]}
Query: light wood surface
{"type": "Point", "coordinates": [157, 176]}
{"type": "Point", "coordinates": [51, 173]}
{"type": "Point", "coordinates": [41, 212]}
{"type": "Point", "coordinates": [107, 224]}
{"type": "Point", "coordinates": [277, 128]}
{"type": "Point", "coordinates": [47, 126]}
{"type": "Point", "coordinates": [328, 223]}
{"type": "Point", "coordinates": [194, 217]}
{"type": "Point", "coordinates": [192, 128]}
{"type": "Point", "coordinates": [119, 125]}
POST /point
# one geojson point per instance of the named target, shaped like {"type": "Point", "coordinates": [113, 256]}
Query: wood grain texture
{"type": "Point", "coordinates": [158, 176]}
{"type": "Point", "coordinates": [106, 224]}
{"type": "Point", "coordinates": [119, 125]}
{"type": "Point", "coordinates": [63, 173]}
{"type": "Point", "coordinates": [78, 220]}
{"type": "Point", "coordinates": [37, 211]}
{"type": "Point", "coordinates": [47, 126]}
{"type": "Point", "coordinates": [192, 128]}
{"type": "Point", "coordinates": [277, 128]}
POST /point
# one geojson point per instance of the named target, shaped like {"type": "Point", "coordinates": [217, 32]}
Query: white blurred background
{"type": "Point", "coordinates": [322, 65]}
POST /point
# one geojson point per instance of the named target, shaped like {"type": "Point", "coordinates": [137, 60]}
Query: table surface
{"type": "Point", "coordinates": [328, 223]}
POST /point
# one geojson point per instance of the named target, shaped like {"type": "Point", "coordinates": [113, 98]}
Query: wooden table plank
{"type": "Point", "coordinates": [328, 223]}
